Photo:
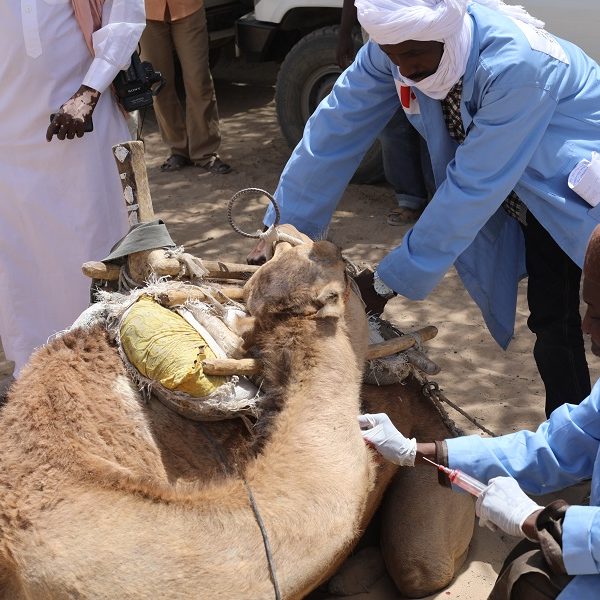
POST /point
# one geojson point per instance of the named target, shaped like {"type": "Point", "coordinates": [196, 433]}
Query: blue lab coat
{"type": "Point", "coordinates": [530, 118]}
{"type": "Point", "coordinates": [562, 452]}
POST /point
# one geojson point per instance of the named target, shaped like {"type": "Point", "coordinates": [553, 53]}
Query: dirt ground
{"type": "Point", "coordinates": [500, 389]}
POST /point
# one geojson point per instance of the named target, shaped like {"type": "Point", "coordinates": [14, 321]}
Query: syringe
{"type": "Point", "coordinates": [462, 480]}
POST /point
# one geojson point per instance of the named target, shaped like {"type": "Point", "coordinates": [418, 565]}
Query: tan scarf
{"type": "Point", "coordinates": [88, 14]}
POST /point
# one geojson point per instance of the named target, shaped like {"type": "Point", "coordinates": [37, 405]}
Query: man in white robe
{"type": "Point", "coordinates": [60, 202]}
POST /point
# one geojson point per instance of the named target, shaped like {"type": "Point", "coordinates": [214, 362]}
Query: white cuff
{"type": "Point", "coordinates": [100, 75]}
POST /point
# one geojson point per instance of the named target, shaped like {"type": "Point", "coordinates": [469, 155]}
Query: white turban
{"type": "Point", "coordinates": [446, 21]}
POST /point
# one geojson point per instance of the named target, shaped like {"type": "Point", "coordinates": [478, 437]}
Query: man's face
{"type": "Point", "coordinates": [591, 319]}
{"type": "Point", "coordinates": [416, 60]}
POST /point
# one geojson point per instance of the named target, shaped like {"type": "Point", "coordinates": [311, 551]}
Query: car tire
{"type": "Point", "coordinates": [305, 77]}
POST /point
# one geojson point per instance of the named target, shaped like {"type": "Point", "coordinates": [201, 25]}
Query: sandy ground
{"type": "Point", "coordinates": [501, 389]}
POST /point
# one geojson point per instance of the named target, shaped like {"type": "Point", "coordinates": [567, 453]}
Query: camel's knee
{"type": "Point", "coordinates": [426, 531]}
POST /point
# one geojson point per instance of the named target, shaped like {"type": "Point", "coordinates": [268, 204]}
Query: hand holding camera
{"type": "Point", "coordinates": [136, 85]}
{"type": "Point", "coordinates": [74, 117]}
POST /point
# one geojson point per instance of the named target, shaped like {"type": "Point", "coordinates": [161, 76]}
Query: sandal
{"type": "Point", "coordinates": [403, 216]}
{"type": "Point", "coordinates": [215, 165]}
{"type": "Point", "coordinates": [175, 162]}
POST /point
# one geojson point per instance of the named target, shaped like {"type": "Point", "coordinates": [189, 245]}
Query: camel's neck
{"type": "Point", "coordinates": [314, 374]}
{"type": "Point", "coordinates": [315, 459]}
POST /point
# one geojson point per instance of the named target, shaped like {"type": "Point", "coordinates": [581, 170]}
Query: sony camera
{"type": "Point", "coordinates": [136, 85]}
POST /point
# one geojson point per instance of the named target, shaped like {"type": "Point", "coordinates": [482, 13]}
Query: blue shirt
{"type": "Point", "coordinates": [530, 117]}
{"type": "Point", "coordinates": [564, 450]}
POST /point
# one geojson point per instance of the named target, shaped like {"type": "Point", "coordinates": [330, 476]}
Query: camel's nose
{"type": "Point", "coordinates": [258, 254]}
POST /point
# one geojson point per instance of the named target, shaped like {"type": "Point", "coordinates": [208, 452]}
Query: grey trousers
{"type": "Point", "coordinates": [194, 132]}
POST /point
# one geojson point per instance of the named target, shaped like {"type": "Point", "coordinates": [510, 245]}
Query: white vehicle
{"type": "Point", "coordinates": [221, 16]}
{"type": "Point", "coordinates": [302, 34]}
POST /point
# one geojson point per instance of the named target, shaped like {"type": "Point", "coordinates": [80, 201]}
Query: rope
{"type": "Point", "coordinates": [265, 538]}
{"type": "Point", "coordinates": [263, 531]}
{"type": "Point", "coordinates": [126, 283]}
{"type": "Point", "coordinates": [418, 345]}
{"type": "Point", "coordinates": [432, 390]}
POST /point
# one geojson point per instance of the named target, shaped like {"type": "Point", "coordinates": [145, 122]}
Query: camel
{"type": "Point", "coordinates": [104, 495]}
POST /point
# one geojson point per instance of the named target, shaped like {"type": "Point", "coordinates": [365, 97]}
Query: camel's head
{"type": "Point", "coordinates": [305, 280]}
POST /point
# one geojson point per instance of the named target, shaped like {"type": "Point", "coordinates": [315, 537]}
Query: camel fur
{"type": "Point", "coordinates": [104, 495]}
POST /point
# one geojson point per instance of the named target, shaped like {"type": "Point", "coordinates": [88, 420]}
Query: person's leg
{"type": "Point", "coordinates": [190, 36]}
{"type": "Point", "coordinates": [157, 48]}
{"type": "Point", "coordinates": [553, 297]}
{"type": "Point", "coordinates": [526, 575]}
{"type": "Point", "coordinates": [401, 150]}
{"type": "Point", "coordinates": [427, 169]}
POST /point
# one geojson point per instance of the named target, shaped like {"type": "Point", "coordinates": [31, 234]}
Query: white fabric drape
{"type": "Point", "coordinates": [60, 202]}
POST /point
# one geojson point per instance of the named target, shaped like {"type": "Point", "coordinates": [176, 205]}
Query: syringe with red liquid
{"type": "Point", "coordinates": [460, 479]}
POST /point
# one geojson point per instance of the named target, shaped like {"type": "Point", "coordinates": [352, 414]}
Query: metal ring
{"type": "Point", "coordinates": [244, 192]}
{"type": "Point", "coordinates": [429, 388]}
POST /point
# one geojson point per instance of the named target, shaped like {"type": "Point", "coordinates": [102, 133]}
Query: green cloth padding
{"type": "Point", "coordinates": [141, 236]}
{"type": "Point", "coordinates": [164, 347]}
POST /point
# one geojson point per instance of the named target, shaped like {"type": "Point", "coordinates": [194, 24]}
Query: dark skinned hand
{"type": "Point", "coordinates": [529, 528]}
{"type": "Point", "coordinates": [374, 303]}
{"type": "Point", "coordinates": [75, 115]}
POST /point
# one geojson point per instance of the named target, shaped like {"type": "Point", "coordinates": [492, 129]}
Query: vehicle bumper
{"type": "Point", "coordinates": [253, 37]}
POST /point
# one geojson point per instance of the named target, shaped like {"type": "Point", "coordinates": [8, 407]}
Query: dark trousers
{"type": "Point", "coordinates": [526, 575]}
{"type": "Point", "coordinates": [553, 297]}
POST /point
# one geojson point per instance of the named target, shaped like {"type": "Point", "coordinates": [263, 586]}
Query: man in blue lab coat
{"type": "Point", "coordinates": [508, 111]}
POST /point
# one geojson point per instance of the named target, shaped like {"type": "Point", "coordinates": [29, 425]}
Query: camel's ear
{"type": "Point", "coordinates": [332, 304]}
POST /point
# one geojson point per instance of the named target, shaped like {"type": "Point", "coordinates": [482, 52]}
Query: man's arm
{"type": "Point", "coordinates": [122, 24]}
{"type": "Point", "coordinates": [335, 139]}
{"type": "Point", "coordinates": [562, 452]}
{"type": "Point", "coordinates": [505, 133]}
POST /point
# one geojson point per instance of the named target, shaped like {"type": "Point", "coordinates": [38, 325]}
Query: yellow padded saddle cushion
{"type": "Point", "coordinates": [164, 347]}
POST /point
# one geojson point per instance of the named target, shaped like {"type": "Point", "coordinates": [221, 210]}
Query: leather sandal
{"type": "Point", "coordinates": [403, 216]}
{"type": "Point", "coordinates": [175, 162]}
{"type": "Point", "coordinates": [214, 165]}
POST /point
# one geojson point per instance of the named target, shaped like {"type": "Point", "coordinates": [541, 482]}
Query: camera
{"type": "Point", "coordinates": [136, 85]}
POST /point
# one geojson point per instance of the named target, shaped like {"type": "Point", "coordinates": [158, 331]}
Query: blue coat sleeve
{"type": "Point", "coordinates": [563, 451]}
{"type": "Point", "coordinates": [505, 132]}
{"type": "Point", "coordinates": [581, 540]}
{"type": "Point", "coordinates": [335, 139]}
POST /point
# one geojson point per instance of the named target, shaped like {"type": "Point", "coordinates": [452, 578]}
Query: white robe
{"type": "Point", "coordinates": [60, 202]}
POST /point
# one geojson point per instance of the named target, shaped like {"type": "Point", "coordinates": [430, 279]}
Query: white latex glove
{"type": "Point", "coordinates": [504, 505]}
{"type": "Point", "coordinates": [380, 432]}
